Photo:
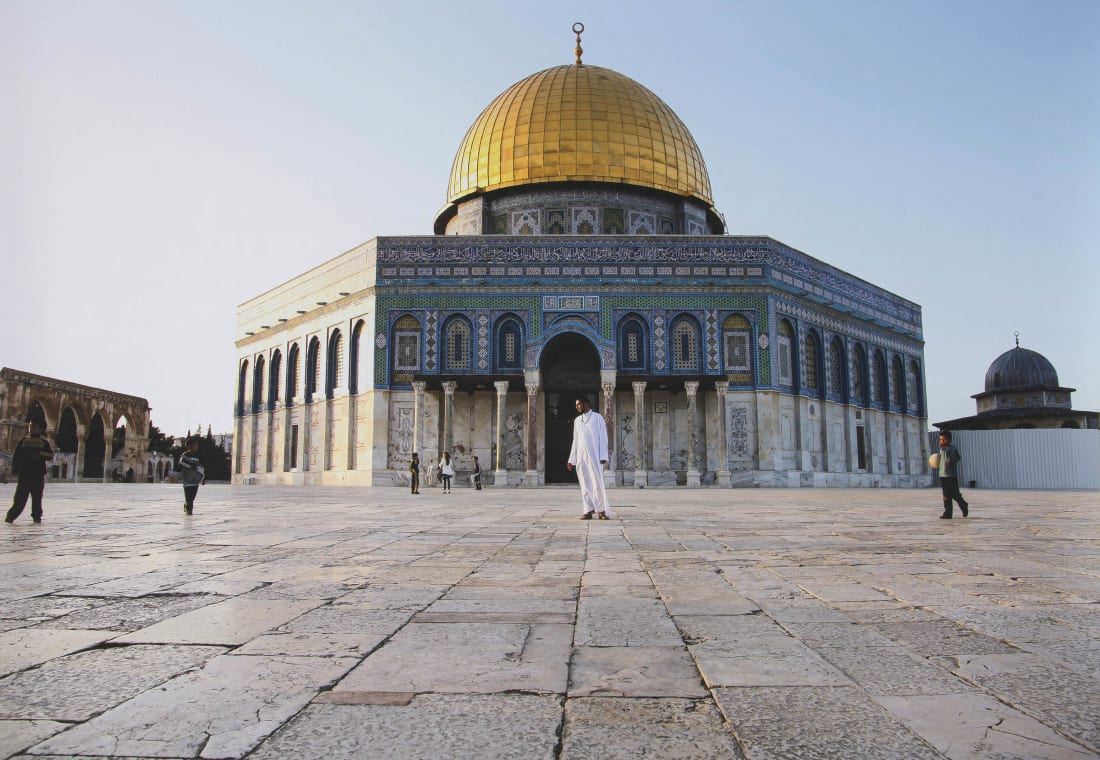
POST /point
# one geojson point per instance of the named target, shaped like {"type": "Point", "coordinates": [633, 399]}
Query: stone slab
{"type": "Point", "coordinates": [610, 622]}
{"type": "Point", "coordinates": [231, 705]}
{"type": "Point", "coordinates": [453, 726]}
{"type": "Point", "coordinates": [468, 658]}
{"type": "Point", "coordinates": [23, 648]}
{"type": "Point", "coordinates": [19, 735]}
{"type": "Point", "coordinates": [636, 671]}
{"type": "Point", "coordinates": [232, 622]}
{"type": "Point", "coordinates": [598, 728]}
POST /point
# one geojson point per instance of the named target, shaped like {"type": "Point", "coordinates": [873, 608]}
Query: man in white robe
{"type": "Point", "coordinates": [588, 456]}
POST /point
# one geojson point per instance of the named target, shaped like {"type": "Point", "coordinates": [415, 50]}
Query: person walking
{"type": "Point", "coordinates": [477, 474]}
{"type": "Point", "coordinates": [949, 476]}
{"type": "Point", "coordinates": [588, 456]}
{"type": "Point", "coordinates": [28, 461]}
{"type": "Point", "coordinates": [414, 473]}
{"type": "Point", "coordinates": [192, 473]}
{"type": "Point", "coordinates": [446, 471]}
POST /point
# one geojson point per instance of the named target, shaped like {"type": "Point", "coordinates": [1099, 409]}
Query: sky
{"type": "Point", "coordinates": [163, 162]}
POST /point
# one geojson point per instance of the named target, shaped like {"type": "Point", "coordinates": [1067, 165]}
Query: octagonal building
{"type": "Point", "coordinates": [580, 253]}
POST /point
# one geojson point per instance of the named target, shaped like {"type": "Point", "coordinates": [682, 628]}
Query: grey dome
{"type": "Point", "coordinates": [1020, 369]}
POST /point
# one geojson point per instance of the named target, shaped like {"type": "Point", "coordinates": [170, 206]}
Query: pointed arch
{"type": "Point", "coordinates": [334, 362]}
{"type": "Point", "coordinates": [456, 344]}
{"type": "Point", "coordinates": [633, 344]}
{"type": "Point", "coordinates": [898, 384]}
{"type": "Point", "coordinates": [313, 368]}
{"type": "Point", "coordinates": [292, 368]}
{"type": "Point", "coordinates": [242, 386]}
{"type": "Point", "coordinates": [274, 381]}
{"type": "Point", "coordinates": [354, 356]}
{"type": "Point", "coordinates": [785, 349]}
{"type": "Point", "coordinates": [838, 371]}
{"type": "Point", "coordinates": [509, 344]}
{"type": "Point", "coordinates": [258, 385]}
{"type": "Point", "coordinates": [811, 365]}
{"type": "Point", "coordinates": [737, 349]}
{"type": "Point", "coordinates": [861, 384]}
{"type": "Point", "coordinates": [881, 385]}
{"type": "Point", "coordinates": [684, 334]}
{"type": "Point", "coordinates": [916, 389]}
{"type": "Point", "coordinates": [405, 349]}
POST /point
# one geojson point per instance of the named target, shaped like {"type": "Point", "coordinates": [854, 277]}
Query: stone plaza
{"type": "Point", "coordinates": [281, 622]}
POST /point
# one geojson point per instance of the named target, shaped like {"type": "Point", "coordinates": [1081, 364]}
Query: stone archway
{"type": "Point", "coordinates": [570, 367]}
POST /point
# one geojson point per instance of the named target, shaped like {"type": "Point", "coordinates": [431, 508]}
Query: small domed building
{"type": "Point", "coordinates": [1022, 391]}
{"type": "Point", "coordinates": [580, 252]}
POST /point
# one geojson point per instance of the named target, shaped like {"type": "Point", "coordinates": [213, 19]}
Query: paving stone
{"type": "Point", "coordinates": [78, 686]}
{"type": "Point", "coordinates": [132, 614]}
{"type": "Point", "coordinates": [893, 671]}
{"type": "Point", "coordinates": [355, 645]}
{"type": "Point", "coordinates": [942, 637]}
{"type": "Point", "coordinates": [19, 735]}
{"type": "Point", "coordinates": [231, 622]}
{"type": "Point", "coordinates": [979, 726]}
{"type": "Point", "coordinates": [635, 671]}
{"type": "Point", "coordinates": [806, 723]}
{"type": "Point", "coordinates": [22, 648]}
{"type": "Point", "coordinates": [349, 618]}
{"type": "Point", "coordinates": [230, 705]}
{"type": "Point", "coordinates": [597, 728]}
{"type": "Point", "coordinates": [462, 727]}
{"type": "Point", "coordinates": [468, 657]}
{"type": "Point", "coordinates": [609, 622]}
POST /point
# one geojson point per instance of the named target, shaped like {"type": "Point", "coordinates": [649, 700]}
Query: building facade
{"type": "Point", "coordinates": [580, 253]}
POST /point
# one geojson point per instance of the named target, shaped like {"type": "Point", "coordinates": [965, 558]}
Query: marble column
{"type": "Point", "coordinates": [449, 416]}
{"type": "Point", "coordinates": [532, 381]}
{"type": "Point", "coordinates": [500, 477]}
{"type": "Point", "coordinates": [607, 385]}
{"type": "Point", "coordinates": [418, 416]}
{"type": "Point", "coordinates": [693, 478]}
{"type": "Point", "coordinates": [641, 476]}
{"type": "Point", "coordinates": [720, 388]}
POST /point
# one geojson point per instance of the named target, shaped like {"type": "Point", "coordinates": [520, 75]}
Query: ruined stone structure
{"type": "Point", "coordinates": [580, 252]}
{"type": "Point", "coordinates": [80, 422]}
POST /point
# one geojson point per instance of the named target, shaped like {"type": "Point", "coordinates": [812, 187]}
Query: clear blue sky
{"type": "Point", "coordinates": [161, 162]}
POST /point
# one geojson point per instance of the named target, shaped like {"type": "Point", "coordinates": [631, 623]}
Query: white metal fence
{"type": "Point", "coordinates": [1049, 459]}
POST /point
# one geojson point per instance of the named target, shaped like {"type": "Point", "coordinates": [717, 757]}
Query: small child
{"type": "Point", "coordinates": [414, 473]}
{"type": "Point", "coordinates": [477, 474]}
{"type": "Point", "coordinates": [28, 461]}
{"type": "Point", "coordinates": [192, 473]}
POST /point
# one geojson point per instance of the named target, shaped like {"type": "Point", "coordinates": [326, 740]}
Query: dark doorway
{"type": "Point", "coordinates": [66, 432]}
{"type": "Point", "coordinates": [95, 448]}
{"type": "Point", "coordinates": [570, 367]}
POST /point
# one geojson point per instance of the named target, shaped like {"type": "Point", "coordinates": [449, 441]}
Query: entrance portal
{"type": "Point", "coordinates": [570, 367]}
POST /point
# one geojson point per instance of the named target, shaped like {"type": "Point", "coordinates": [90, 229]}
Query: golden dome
{"type": "Point", "coordinates": [578, 123]}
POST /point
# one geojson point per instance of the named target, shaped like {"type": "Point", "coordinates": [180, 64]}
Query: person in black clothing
{"type": "Point", "coordinates": [414, 473]}
{"type": "Point", "coordinates": [477, 474]}
{"type": "Point", "coordinates": [192, 473]}
{"type": "Point", "coordinates": [28, 461]}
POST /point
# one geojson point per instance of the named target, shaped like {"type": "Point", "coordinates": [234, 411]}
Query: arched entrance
{"type": "Point", "coordinates": [95, 449]}
{"type": "Point", "coordinates": [570, 366]}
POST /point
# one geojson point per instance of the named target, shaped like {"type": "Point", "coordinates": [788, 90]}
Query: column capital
{"type": "Point", "coordinates": [449, 387]}
{"type": "Point", "coordinates": [639, 387]}
{"type": "Point", "coordinates": [532, 378]}
{"type": "Point", "coordinates": [722, 386]}
{"type": "Point", "coordinates": [418, 386]}
{"type": "Point", "coordinates": [501, 386]}
{"type": "Point", "coordinates": [691, 386]}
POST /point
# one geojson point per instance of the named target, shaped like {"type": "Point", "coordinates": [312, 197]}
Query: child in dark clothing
{"type": "Point", "coordinates": [28, 461]}
{"type": "Point", "coordinates": [414, 473]}
{"type": "Point", "coordinates": [192, 473]}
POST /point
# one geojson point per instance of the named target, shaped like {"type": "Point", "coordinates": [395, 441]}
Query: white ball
{"type": "Point", "coordinates": [934, 461]}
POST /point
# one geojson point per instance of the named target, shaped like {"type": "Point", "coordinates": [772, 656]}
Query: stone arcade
{"type": "Point", "coordinates": [580, 252]}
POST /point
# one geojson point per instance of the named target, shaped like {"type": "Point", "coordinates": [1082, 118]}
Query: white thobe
{"type": "Point", "coordinates": [587, 456]}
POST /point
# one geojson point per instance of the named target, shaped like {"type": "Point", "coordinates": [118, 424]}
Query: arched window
{"type": "Point", "coordinates": [406, 346]}
{"type": "Point", "coordinates": [737, 348]}
{"type": "Point", "coordinates": [632, 344]}
{"type": "Point", "coordinates": [860, 384]}
{"type": "Point", "coordinates": [811, 367]}
{"type": "Point", "coordinates": [785, 352]}
{"type": "Point", "coordinates": [899, 384]}
{"type": "Point", "coordinates": [509, 345]}
{"type": "Point", "coordinates": [258, 386]}
{"type": "Point", "coordinates": [915, 388]}
{"type": "Point", "coordinates": [838, 371]}
{"type": "Point", "coordinates": [456, 343]}
{"type": "Point", "coordinates": [334, 363]}
{"type": "Point", "coordinates": [881, 383]}
{"type": "Point", "coordinates": [292, 375]}
{"type": "Point", "coordinates": [313, 368]}
{"type": "Point", "coordinates": [685, 344]}
{"type": "Point", "coordinates": [242, 385]}
{"type": "Point", "coordinates": [354, 356]}
{"type": "Point", "coordinates": [274, 380]}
